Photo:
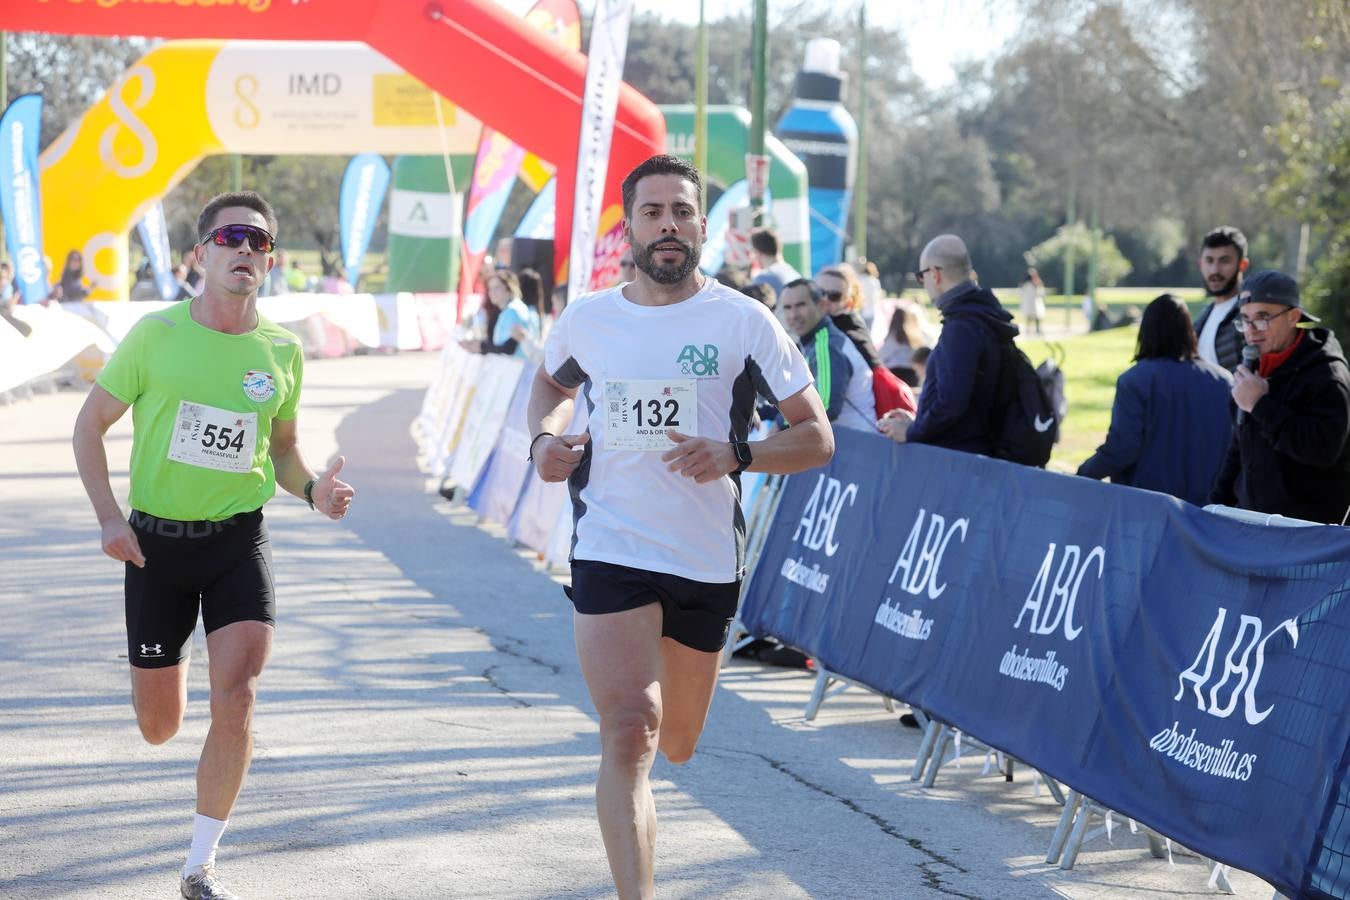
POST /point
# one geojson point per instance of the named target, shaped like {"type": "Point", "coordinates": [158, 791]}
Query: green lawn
{"type": "Point", "coordinates": [373, 264]}
{"type": "Point", "coordinates": [1092, 363]}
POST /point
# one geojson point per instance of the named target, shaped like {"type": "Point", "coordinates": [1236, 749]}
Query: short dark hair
{"type": "Point", "coordinates": [1226, 236]}
{"type": "Point", "coordinates": [658, 165]}
{"type": "Point", "coordinates": [1165, 330]}
{"type": "Point", "coordinates": [247, 199]}
{"type": "Point", "coordinates": [811, 288]}
{"type": "Point", "coordinates": [732, 277]}
{"type": "Point", "coordinates": [763, 292]}
{"type": "Point", "coordinates": [764, 240]}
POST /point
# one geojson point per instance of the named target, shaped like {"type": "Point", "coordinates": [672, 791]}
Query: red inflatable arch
{"type": "Point", "coordinates": [502, 71]}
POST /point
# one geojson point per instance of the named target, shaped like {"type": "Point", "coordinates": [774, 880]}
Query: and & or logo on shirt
{"type": "Point", "coordinates": [700, 363]}
{"type": "Point", "coordinates": [259, 386]}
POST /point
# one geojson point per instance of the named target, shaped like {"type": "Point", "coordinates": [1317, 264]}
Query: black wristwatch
{"type": "Point", "coordinates": [743, 456]}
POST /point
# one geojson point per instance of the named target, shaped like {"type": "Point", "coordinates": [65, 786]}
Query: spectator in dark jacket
{"type": "Point", "coordinates": [1291, 446]}
{"type": "Point", "coordinates": [956, 407]}
{"type": "Point", "coordinates": [843, 378]}
{"type": "Point", "coordinates": [1169, 422]}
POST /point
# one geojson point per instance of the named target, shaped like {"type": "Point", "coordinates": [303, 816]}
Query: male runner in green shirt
{"type": "Point", "coordinates": [213, 388]}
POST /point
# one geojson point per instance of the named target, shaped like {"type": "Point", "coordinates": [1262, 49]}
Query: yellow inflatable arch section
{"type": "Point", "coordinates": [185, 100]}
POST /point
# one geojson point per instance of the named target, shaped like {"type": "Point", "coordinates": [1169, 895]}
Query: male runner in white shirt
{"type": "Point", "coordinates": [669, 366]}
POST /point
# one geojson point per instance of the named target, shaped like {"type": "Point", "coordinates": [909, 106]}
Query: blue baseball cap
{"type": "Point", "coordinates": [1270, 286]}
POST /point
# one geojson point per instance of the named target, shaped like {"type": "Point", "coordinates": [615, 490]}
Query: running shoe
{"type": "Point", "coordinates": [205, 884]}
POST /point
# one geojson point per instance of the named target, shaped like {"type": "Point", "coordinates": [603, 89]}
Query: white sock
{"type": "Point", "coordinates": [206, 833]}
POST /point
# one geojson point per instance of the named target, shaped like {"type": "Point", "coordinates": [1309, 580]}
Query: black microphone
{"type": "Point", "coordinates": [1251, 359]}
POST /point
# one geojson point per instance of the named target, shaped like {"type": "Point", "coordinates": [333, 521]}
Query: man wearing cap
{"type": "Point", "coordinates": [1291, 446]}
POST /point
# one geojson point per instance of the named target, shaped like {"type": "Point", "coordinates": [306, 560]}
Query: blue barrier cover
{"type": "Point", "coordinates": [499, 489]}
{"type": "Point", "coordinates": [1183, 668]}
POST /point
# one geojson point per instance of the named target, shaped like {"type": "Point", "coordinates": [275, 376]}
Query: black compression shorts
{"type": "Point", "coordinates": [695, 613]}
{"type": "Point", "coordinates": [225, 568]}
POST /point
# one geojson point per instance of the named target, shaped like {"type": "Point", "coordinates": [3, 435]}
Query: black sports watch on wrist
{"type": "Point", "coordinates": [743, 456]}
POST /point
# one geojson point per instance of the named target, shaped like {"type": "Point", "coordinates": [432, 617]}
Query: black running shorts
{"type": "Point", "coordinates": [695, 613]}
{"type": "Point", "coordinates": [224, 567]}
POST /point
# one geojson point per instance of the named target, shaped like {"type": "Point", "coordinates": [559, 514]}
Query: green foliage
{"type": "Point", "coordinates": [70, 72]}
{"type": "Point", "coordinates": [1315, 187]}
{"type": "Point", "coordinates": [1048, 256]}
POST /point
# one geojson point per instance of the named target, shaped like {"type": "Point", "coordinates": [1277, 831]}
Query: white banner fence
{"type": "Point", "coordinates": [77, 338]}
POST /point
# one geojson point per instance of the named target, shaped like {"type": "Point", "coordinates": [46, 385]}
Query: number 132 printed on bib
{"type": "Point", "coordinates": [639, 411]}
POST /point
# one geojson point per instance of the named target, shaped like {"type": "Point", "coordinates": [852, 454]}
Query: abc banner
{"type": "Point", "coordinates": [1184, 668]}
{"type": "Point", "coordinates": [20, 199]}
{"type": "Point", "coordinates": [363, 188]}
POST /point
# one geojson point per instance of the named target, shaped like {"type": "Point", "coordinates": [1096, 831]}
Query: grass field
{"type": "Point", "coordinates": [1062, 311]}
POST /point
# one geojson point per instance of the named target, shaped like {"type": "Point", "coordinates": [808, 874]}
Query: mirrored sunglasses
{"type": "Point", "coordinates": [233, 235]}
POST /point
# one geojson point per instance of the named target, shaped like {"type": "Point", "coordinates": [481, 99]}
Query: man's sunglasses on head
{"type": "Point", "coordinates": [233, 235]}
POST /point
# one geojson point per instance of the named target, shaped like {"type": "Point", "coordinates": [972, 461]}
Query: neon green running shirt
{"type": "Point", "coordinates": [202, 409]}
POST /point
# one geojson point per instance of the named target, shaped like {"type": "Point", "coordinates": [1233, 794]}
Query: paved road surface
{"type": "Point", "coordinates": [423, 730]}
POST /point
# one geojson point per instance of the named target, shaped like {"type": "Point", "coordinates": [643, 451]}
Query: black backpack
{"type": "Point", "coordinates": [1028, 407]}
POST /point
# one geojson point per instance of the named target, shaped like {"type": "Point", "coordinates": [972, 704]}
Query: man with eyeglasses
{"type": "Point", "coordinates": [214, 389]}
{"type": "Point", "coordinates": [1291, 445]}
{"type": "Point", "coordinates": [961, 383]}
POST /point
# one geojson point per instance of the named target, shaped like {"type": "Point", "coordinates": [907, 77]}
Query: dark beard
{"type": "Point", "coordinates": [1228, 290]}
{"type": "Point", "coordinates": [667, 274]}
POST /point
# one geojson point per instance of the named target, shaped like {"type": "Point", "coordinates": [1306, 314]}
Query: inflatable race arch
{"type": "Point", "coordinates": [184, 101]}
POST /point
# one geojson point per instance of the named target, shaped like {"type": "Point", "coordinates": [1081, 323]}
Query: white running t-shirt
{"type": "Point", "coordinates": [694, 366]}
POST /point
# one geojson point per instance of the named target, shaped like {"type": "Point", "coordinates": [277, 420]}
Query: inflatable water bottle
{"type": "Point", "coordinates": [825, 138]}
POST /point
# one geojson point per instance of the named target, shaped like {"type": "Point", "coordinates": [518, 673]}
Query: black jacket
{"type": "Point", "coordinates": [961, 379]}
{"type": "Point", "coordinates": [853, 326]}
{"type": "Point", "coordinates": [1291, 453]}
{"type": "Point", "coordinates": [1227, 342]}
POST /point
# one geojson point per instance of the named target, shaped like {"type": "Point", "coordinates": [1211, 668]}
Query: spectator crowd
{"type": "Point", "coordinates": [1248, 405]}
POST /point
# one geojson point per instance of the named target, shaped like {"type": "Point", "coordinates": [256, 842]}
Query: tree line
{"type": "Point", "coordinates": [1152, 120]}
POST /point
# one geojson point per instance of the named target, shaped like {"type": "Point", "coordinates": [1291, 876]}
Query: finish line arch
{"type": "Point", "coordinates": [505, 73]}
{"type": "Point", "coordinates": [185, 100]}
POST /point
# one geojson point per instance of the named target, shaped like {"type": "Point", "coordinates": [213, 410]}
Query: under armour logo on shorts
{"type": "Point", "coordinates": [152, 649]}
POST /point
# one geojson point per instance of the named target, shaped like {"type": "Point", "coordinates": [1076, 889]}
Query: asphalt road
{"type": "Point", "coordinates": [423, 729]}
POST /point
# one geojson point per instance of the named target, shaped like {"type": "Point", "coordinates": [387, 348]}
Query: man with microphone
{"type": "Point", "coordinates": [1290, 453]}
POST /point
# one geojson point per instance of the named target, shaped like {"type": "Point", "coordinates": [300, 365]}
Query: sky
{"type": "Point", "coordinates": [923, 22]}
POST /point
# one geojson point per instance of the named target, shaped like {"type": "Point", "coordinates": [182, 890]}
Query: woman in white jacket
{"type": "Point", "coordinates": [1033, 301]}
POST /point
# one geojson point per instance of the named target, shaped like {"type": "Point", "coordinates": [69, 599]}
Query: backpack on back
{"type": "Point", "coordinates": [1029, 407]}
